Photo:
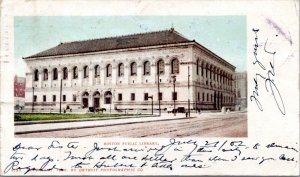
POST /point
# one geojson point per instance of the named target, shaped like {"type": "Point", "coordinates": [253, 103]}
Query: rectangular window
{"type": "Point", "coordinates": [120, 96]}
{"type": "Point", "coordinates": [198, 96]}
{"type": "Point", "coordinates": [54, 98]}
{"type": "Point", "coordinates": [145, 96]}
{"type": "Point", "coordinates": [174, 95]}
{"type": "Point", "coordinates": [64, 97]}
{"type": "Point", "coordinates": [44, 98]}
{"type": "Point", "coordinates": [74, 97]}
{"type": "Point", "coordinates": [132, 97]}
{"type": "Point", "coordinates": [160, 95]}
{"type": "Point", "coordinates": [207, 97]}
{"type": "Point", "coordinates": [34, 98]}
{"type": "Point", "coordinates": [203, 99]}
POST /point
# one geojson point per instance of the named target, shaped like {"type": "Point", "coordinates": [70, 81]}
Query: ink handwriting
{"type": "Point", "coordinates": [173, 154]}
{"type": "Point", "coordinates": [266, 73]}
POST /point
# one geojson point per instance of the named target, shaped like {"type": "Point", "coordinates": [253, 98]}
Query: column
{"type": "Point", "coordinates": [90, 99]}
{"type": "Point", "coordinates": [80, 75]}
{"type": "Point", "coordinates": [40, 79]}
{"type": "Point", "coordinates": [139, 73]}
{"type": "Point", "coordinates": [126, 73]}
{"type": "Point", "coordinates": [69, 83]}
{"type": "Point", "coordinates": [91, 75]}
{"type": "Point", "coordinates": [102, 73]}
{"type": "Point", "coordinates": [153, 73]}
{"type": "Point", "coordinates": [50, 77]}
{"type": "Point", "coordinates": [114, 74]}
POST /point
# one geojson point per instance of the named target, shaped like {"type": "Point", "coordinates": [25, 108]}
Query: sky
{"type": "Point", "coordinates": [224, 35]}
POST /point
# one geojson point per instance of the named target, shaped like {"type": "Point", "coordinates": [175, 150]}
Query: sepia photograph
{"type": "Point", "coordinates": [131, 76]}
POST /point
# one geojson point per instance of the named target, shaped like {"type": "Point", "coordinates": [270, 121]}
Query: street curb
{"type": "Point", "coordinates": [79, 120]}
{"type": "Point", "coordinates": [94, 126]}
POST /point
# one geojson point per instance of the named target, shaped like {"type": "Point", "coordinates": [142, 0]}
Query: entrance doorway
{"type": "Point", "coordinates": [85, 100]}
{"type": "Point", "coordinates": [96, 100]}
{"type": "Point", "coordinates": [107, 96]}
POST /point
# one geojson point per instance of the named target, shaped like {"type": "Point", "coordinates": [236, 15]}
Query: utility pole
{"type": "Point", "coordinates": [60, 93]}
{"type": "Point", "coordinates": [174, 102]}
{"type": "Point", "coordinates": [158, 90]}
{"type": "Point", "coordinates": [151, 103]}
{"type": "Point", "coordinates": [32, 99]}
{"type": "Point", "coordinates": [189, 108]}
{"type": "Point", "coordinates": [110, 106]}
{"type": "Point", "coordinates": [196, 97]}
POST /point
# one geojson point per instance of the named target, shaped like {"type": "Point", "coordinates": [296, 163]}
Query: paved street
{"type": "Point", "coordinates": [199, 125]}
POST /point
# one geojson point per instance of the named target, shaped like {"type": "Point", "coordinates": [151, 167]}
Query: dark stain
{"type": "Point", "coordinates": [279, 30]}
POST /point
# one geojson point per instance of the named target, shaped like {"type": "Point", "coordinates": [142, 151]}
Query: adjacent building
{"type": "Point", "coordinates": [19, 93]}
{"type": "Point", "coordinates": [241, 90]}
{"type": "Point", "coordinates": [127, 72]}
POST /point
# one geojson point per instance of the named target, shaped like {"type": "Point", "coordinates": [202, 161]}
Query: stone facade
{"type": "Point", "coordinates": [119, 79]}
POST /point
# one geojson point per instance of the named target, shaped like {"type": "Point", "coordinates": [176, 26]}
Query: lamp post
{"type": "Point", "coordinates": [32, 99]}
{"type": "Point", "coordinates": [189, 107]}
{"type": "Point", "coordinates": [174, 103]}
{"type": "Point", "coordinates": [158, 90]}
{"type": "Point", "coordinates": [151, 103]}
{"type": "Point", "coordinates": [60, 95]}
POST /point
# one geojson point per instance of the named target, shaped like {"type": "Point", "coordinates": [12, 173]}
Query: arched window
{"type": "Point", "coordinates": [133, 69]}
{"type": "Point", "coordinates": [146, 68]}
{"type": "Point", "coordinates": [107, 97]}
{"type": "Point", "coordinates": [161, 67]}
{"type": "Point", "coordinates": [96, 99]}
{"type": "Point", "coordinates": [55, 74]}
{"type": "Point", "coordinates": [97, 71]}
{"type": "Point", "coordinates": [45, 74]}
{"type": "Point", "coordinates": [85, 72]}
{"type": "Point", "coordinates": [121, 69]}
{"type": "Point", "coordinates": [65, 73]}
{"type": "Point", "coordinates": [175, 66]}
{"type": "Point", "coordinates": [36, 75]}
{"type": "Point", "coordinates": [108, 70]}
{"type": "Point", "coordinates": [75, 72]}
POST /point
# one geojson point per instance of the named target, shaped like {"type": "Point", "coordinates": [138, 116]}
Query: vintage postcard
{"type": "Point", "coordinates": [149, 87]}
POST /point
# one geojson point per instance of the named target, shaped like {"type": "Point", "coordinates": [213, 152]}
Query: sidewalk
{"type": "Point", "coordinates": [42, 126]}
